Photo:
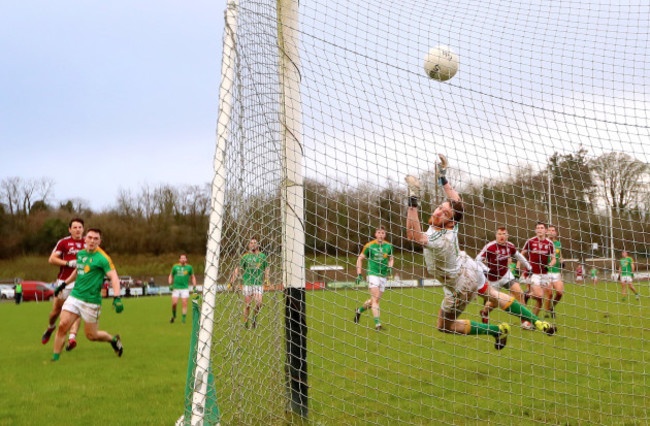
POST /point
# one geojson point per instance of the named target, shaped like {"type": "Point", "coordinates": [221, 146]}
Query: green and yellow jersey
{"type": "Point", "coordinates": [557, 254]}
{"type": "Point", "coordinates": [378, 255]}
{"type": "Point", "coordinates": [181, 275]}
{"type": "Point", "coordinates": [594, 272]}
{"type": "Point", "coordinates": [91, 269]}
{"type": "Point", "coordinates": [253, 267]}
{"type": "Point", "coordinates": [626, 266]}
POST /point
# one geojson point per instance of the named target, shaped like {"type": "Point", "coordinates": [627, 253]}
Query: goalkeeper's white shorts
{"type": "Point", "coordinates": [250, 290]}
{"type": "Point", "coordinates": [89, 312]}
{"type": "Point", "coordinates": [66, 291]}
{"type": "Point", "coordinates": [183, 293]}
{"type": "Point", "coordinates": [379, 282]}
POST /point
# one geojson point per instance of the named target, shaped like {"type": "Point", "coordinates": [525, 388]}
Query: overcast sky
{"type": "Point", "coordinates": [103, 95]}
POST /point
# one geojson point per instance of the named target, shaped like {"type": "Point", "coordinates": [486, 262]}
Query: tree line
{"type": "Point", "coordinates": [585, 194]}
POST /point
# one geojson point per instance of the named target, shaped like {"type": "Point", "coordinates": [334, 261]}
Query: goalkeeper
{"type": "Point", "coordinates": [379, 254]}
{"type": "Point", "coordinates": [461, 276]}
{"type": "Point", "coordinates": [85, 300]}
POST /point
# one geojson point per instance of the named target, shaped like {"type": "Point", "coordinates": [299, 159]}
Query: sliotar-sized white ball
{"type": "Point", "coordinates": [441, 63]}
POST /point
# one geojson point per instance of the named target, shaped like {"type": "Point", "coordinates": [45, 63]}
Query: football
{"type": "Point", "coordinates": [441, 63]}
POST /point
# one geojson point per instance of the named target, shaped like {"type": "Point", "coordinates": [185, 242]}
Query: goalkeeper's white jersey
{"type": "Point", "coordinates": [441, 253]}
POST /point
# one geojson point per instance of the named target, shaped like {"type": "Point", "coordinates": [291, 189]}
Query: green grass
{"type": "Point", "coordinates": [595, 371]}
{"type": "Point", "coordinates": [91, 385]}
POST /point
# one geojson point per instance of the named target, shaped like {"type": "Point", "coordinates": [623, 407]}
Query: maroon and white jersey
{"type": "Point", "coordinates": [67, 249]}
{"type": "Point", "coordinates": [539, 251]}
{"type": "Point", "coordinates": [496, 257]}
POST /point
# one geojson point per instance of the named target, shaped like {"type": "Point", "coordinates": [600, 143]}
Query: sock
{"type": "Point", "coordinates": [55, 357]}
{"type": "Point", "coordinates": [480, 328]}
{"type": "Point", "coordinates": [51, 327]}
{"type": "Point", "coordinates": [184, 315]}
{"type": "Point", "coordinates": [361, 309]}
{"type": "Point", "coordinates": [174, 313]}
{"type": "Point", "coordinates": [520, 310]}
{"type": "Point", "coordinates": [72, 336]}
{"type": "Point", "coordinates": [377, 321]}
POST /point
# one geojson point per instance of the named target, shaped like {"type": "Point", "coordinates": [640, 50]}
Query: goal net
{"type": "Point", "coordinates": [323, 114]}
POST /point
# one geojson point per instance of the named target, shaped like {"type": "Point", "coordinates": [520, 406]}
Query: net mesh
{"type": "Point", "coordinates": [546, 119]}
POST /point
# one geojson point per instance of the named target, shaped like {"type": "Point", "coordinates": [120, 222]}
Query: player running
{"type": "Point", "coordinates": [496, 257]}
{"type": "Point", "coordinates": [461, 276]}
{"type": "Point", "coordinates": [379, 254]}
{"type": "Point", "coordinates": [626, 271]}
{"type": "Point", "coordinates": [64, 256]}
{"type": "Point", "coordinates": [580, 274]}
{"type": "Point", "coordinates": [85, 300]}
{"type": "Point", "coordinates": [555, 275]}
{"type": "Point", "coordinates": [179, 282]}
{"type": "Point", "coordinates": [538, 250]}
{"type": "Point", "coordinates": [255, 269]}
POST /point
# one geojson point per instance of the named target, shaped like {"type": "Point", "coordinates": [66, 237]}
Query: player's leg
{"type": "Point", "coordinates": [95, 335]}
{"type": "Point", "coordinates": [357, 312]}
{"type": "Point", "coordinates": [57, 304]}
{"type": "Point", "coordinates": [65, 322]}
{"type": "Point", "coordinates": [623, 289]}
{"type": "Point", "coordinates": [248, 297]}
{"type": "Point", "coordinates": [175, 296]}
{"type": "Point", "coordinates": [511, 306]}
{"type": "Point", "coordinates": [184, 300]}
{"type": "Point", "coordinates": [536, 293]}
{"type": "Point", "coordinates": [258, 303]}
{"type": "Point", "coordinates": [375, 296]}
{"type": "Point", "coordinates": [558, 288]}
{"type": "Point", "coordinates": [72, 336]}
{"type": "Point", "coordinates": [485, 312]}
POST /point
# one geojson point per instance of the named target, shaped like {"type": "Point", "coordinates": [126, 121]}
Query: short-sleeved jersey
{"type": "Point", "coordinates": [579, 271]}
{"type": "Point", "coordinates": [594, 272]}
{"type": "Point", "coordinates": [441, 253]}
{"type": "Point", "coordinates": [67, 249]}
{"type": "Point", "coordinates": [378, 256]}
{"type": "Point", "coordinates": [181, 276]}
{"type": "Point", "coordinates": [539, 251]}
{"type": "Point", "coordinates": [496, 257]}
{"type": "Point", "coordinates": [626, 266]}
{"type": "Point", "coordinates": [253, 267]}
{"type": "Point", "coordinates": [557, 247]}
{"type": "Point", "coordinates": [91, 269]}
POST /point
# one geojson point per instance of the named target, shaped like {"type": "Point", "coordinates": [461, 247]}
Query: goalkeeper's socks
{"type": "Point", "coordinates": [55, 357]}
{"type": "Point", "coordinates": [477, 328]}
{"type": "Point", "coordinates": [520, 310]}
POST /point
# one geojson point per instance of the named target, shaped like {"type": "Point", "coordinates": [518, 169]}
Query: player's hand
{"type": "Point", "coordinates": [441, 168]}
{"type": "Point", "coordinates": [59, 289]}
{"type": "Point", "coordinates": [359, 279]}
{"type": "Point", "coordinates": [267, 283]}
{"type": "Point", "coordinates": [71, 263]}
{"type": "Point", "coordinates": [171, 288]}
{"type": "Point", "coordinates": [117, 304]}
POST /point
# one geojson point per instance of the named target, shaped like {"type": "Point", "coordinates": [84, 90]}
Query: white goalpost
{"type": "Point", "coordinates": [324, 108]}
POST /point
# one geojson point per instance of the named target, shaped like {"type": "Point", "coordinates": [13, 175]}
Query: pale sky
{"type": "Point", "coordinates": [103, 95]}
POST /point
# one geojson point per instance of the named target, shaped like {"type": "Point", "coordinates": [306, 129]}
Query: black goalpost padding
{"type": "Point", "coordinates": [295, 324]}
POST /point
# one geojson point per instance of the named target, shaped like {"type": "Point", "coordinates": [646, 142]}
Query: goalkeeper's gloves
{"type": "Point", "coordinates": [359, 279]}
{"type": "Point", "coordinates": [441, 168]}
{"type": "Point", "coordinates": [71, 263]}
{"type": "Point", "coordinates": [117, 304]}
{"type": "Point", "coordinates": [59, 288]}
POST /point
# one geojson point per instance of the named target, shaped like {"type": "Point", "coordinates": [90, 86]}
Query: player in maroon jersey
{"type": "Point", "coordinates": [539, 251]}
{"type": "Point", "coordinates": [496, 256]}
{"type": "Point", "coordinates": [64, 256]}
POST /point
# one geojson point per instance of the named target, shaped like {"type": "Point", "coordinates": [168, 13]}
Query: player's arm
{"type": "Point", "coordinates": [56, 260]}
{"type": "Point", "coordinates": [233, 277]}
{"type": "Point", "coordinates": [193, 282]}
{"type": "Point", "coordinates": [267, 275]}
{"type": "Point", "coordinates": [360, 264]}
{"type": "Point", "coordinates": [115, 282]}
{"type": "Point", "coordinates": [67, 281]}
{"type": "Point", "coordinates": [521, 260]}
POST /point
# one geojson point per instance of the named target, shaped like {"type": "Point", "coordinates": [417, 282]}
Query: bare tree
{"type": "Point", "coordinates": [621, 180]}
{"type": "Point", "coordinates": [20, 194]}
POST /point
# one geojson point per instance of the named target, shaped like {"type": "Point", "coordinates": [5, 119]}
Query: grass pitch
{"type": "Point", "coordinates": [595, 371]}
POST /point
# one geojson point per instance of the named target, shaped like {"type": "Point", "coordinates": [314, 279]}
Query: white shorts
{"type": "Point", "coordinates": [554, 277]}
{"type": "Point", "coordinates": [250, 290]}
{"type": "Point", "coordinates": [626, 279]}
{"type": "Point", "coordinates": [580, 278]}
{"type": "Point", "coordinates": [89, 312]}
{"type": "Point", "coordinates": [540, 280]}
{"type": "Point", "coordinates": [504, 282]}
{"type": "Point", "coordinates": [66, 291]}
{"type": "Point", "coordinates": [469, 281]}
{"type": "Point", "coordinates": [183, 293]}
{"type": "Point", "coordinates": [375, 281]}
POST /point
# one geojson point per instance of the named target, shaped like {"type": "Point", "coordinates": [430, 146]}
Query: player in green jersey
{"type": "Point", "coordinates": [594, 275]}
{"type": "Point", "coordinates": [255, 273]}
{"type": "Point", "coordinates": [85, 300]}
{"type": "Point", "coordinates": [179, 283]}
{"type": "Point", "coordinates": [379, 256]}
{"type": "Point", "coordinates": [626, 271]}
{"type": "Point", "coordinates": [556, 284]}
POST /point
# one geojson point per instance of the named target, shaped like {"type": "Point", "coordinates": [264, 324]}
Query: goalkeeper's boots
{"type": "Point", "coordinates": [46, 336]}
{"type": "Point", "coordinates": [357, 316]}
{"type": "Point", "coordinates": [502, 338]}
{"type": "Point", "coordinates": [116, 343]}
{"type": "Point", "coordinates": [72, 343]}
{"type": "Point", "coordinates": [546, 327]}
{"type": "Point", "coordinates": [484, 316]}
